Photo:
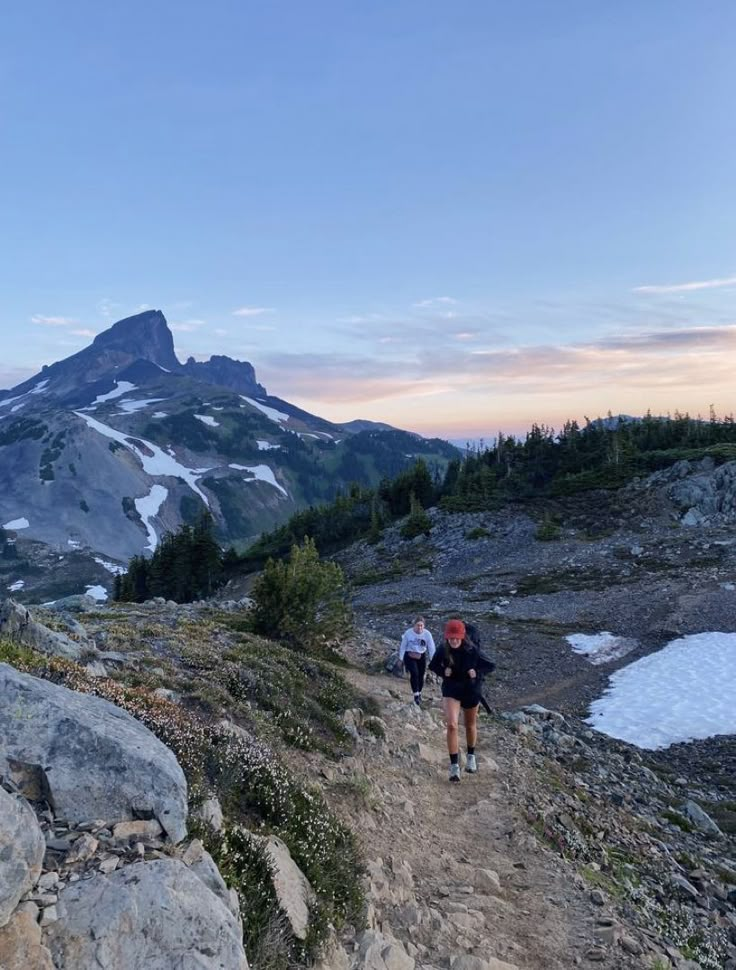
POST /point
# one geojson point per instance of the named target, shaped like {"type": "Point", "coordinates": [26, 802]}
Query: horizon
{"type": "Point", "coordinates": [453, 222]}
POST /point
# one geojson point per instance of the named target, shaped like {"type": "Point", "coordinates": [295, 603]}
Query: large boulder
{"type": "Point", "coordinates": [147, 916]}
{"type": "Point", "coordinates": [293, 890]}
{"type": "Point", "coordinates": [20, 942]}
{"type": "Point", "coordinates": [22, 848]}
{"type": "Point", "coordinates": [17, 624]}
{"type": "Point", "coordinates": [98, 761]}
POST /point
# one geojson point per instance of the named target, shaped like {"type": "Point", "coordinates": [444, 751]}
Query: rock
{"type": "Point", "coordinates": [20, 944]}
{"type": "Point", "coordinates": [597, 898]}
{"type": "Point", "coordinates": [294, 893]}
{"type": "Point", "coordinates": [486, 881]}
{"type": "Point", "coordinates": [78, 603]}
{"type": "Point", "coordinates": [700, 819]}
{"type": "Point", "coordinates": [136, 830]}
{"type": "Point", "coordinates": [82, 850]}
{"type": "Point", "coordinates": [146, 916]}
{"type": "Point", "coordinates": [22, 848]}
{"type": "Point", "coordinates": [98, 760]}
{"type": "Point", "coordinates": [378, 952]}
{"type": "Point", "coordinates": [682, 883]}
{"type": "Point", "coordinates": [203, 866]}
{"type": "Point", "coordinates": [17, 624]}
{"type": "Point", "coordinates": [210, 812]}
{"type": "Point", "coordinates": [467, 962]}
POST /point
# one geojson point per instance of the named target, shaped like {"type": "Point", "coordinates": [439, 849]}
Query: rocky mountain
{"type": "Point", "coordinates": [103, 452]}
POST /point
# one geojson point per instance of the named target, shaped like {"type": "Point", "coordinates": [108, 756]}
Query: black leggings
{"type": "Point", "coordinates": [416, 670]}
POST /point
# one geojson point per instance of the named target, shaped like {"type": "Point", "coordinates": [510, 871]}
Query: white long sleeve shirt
{"type": "Point", "coordinates": [414, 642]}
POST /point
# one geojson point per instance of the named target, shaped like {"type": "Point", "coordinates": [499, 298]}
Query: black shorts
{"type": "Point", "coordinates": [468, 697]}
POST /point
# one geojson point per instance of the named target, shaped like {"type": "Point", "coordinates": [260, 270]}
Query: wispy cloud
{"type": "Point", "coordinates": [186, 326]}
{"type": "Point", "coordinates": [52, 321]}
{"type": "Point", "coordinates": [687, 287]}
{"type": "Point", "coordinates": [435, 301]}
{"type": "Point", "coordinates": [252, 311]}
{"type": "Point", "coordinates": [84, 332]}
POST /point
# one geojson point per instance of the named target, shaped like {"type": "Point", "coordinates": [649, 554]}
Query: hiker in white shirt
{"type": "Point", "coordinates": [417, 647]}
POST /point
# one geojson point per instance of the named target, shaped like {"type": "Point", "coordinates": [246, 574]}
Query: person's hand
{"type": "Point", "coordinates": [448, 671]}
{"type": "Point", "coordinates": [471, 673]}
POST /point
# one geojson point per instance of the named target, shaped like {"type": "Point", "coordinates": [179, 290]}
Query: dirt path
{"type": "Point", "coordinates": [455, 870]}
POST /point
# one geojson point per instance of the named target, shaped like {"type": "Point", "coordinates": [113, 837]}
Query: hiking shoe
{"type": "Point", "coordinates": [470, 764]}
{"type": "Point", "coordinates": [455, 773]}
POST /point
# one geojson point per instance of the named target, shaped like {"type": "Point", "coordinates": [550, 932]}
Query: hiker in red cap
{"type": "Point", "coordinates": [460, 665]}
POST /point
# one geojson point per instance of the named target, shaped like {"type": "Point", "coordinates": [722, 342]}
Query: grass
{"type": "Point", "coordinates": [679, 820]}
{"type": "Point", "coordinates": [479, 532]}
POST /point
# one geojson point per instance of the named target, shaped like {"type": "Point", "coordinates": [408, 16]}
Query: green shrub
{"type": "Point", "coordinates": [479, 532]}
{"type": "Point", "coordinates": [547, 530]}
{"type": "Point", "coordinates": [302, 601]}
{"type": "Point", "coordinates": [418, 523]}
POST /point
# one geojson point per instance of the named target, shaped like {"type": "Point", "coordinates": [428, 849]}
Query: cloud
{"type": "Point", "coordinates": [435, 301]}
{"type": "Point", "coordinates": [52, 321]}
{"type": "Point", "coordinates": [252, 311]}
{"type": "Point", "coordinates": [83, 333]}
{"type": "Point", "coordinates": [680, 360]}
{"type": "Point", "coordinates": [466, 335]}
{"type": "Point", "coordinates": [107, 308]}
{"type": "Point", "coordinates": [186, 326]}
{"type": "Point", "coordinates": [687, 287]}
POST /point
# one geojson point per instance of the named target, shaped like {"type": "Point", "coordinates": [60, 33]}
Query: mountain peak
{"type": "Point", "coordinates": [145, 335]}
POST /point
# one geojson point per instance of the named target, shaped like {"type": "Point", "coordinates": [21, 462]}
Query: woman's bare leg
{"type": "Point", "coordinates": [451, 709]}
{"type": "Point", "coordinates": [471, 726]}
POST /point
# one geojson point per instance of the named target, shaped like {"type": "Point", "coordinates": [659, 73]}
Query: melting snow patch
{"type": "Point", "coordinates": [39, 388]}
{"type": "Point", "coordinates": [683, 692]}
{"type": "Point", "coordinates": [121, 387]}
{"type": "Point", "coordinates": [111, 567]}
{"type": "Point", "coordinates": [271, 413]}
{"type": "Point", "coordinates": [159, 414]}
{"type": "Point", "coordinates": [307, 434]}
{"type": "Point", "coordinates": [261, 473]}
{"type": "Point", "coordinates": [130, 407]}
{"type": "Point", "coordinates": [98, 593]}
{"type": "Point", "coordinates": [154, 460]}
{"type": "Point", "coordinates": [206, 419]}
{"type": "Point", "coordinates": [148, 507]}
{"type": "Point", "coordinates": [265, 445]}
{"type": "Point", "coordinates": [17, 585]}
{"type": "Point", "coordinates": [74, 543]}
{"type": "Point", "coordinates": [17, 524]}
{"type": "Point", "coordinates": [9, 400]}
{"type": "Point", "coordinates": [600, 648]}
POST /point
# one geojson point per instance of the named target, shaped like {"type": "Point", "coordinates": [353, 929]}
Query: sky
{"type": "Point", "coordinates": [457, 218]}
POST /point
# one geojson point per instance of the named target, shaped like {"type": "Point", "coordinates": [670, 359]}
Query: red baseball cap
{"type": "Point", "coordinates": [454, 629]}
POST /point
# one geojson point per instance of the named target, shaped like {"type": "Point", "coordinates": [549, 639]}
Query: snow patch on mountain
{"type": "Point", "coordinates": [148, 507]}
{"type": "Point", "coordinates": [261, 473]}
{"type": "Point", "coordinates": [266, 445]}
{"type": "Point", "coordinates": [278, 416]}
{"type": "Point", "coordinates": [130, 407]}
{"type": "Point", "coordinates": [39, 388]}
{"type": "Point", "coordinates": [157, 464]}
{"type": "Point", "coordinates": [600, 648]}
{"type": "Point", "coordinates": [121, 387]}
{"type": "Point", "coordinates": [683, 692]}
{"type": "Point", "coordinates": [111, 567]}
{"type": "Point", "coordinates": [16, 586]}
{"type": "Point", "coordinates": [17, 524]}
{"type": "Point", "coordinates": [206, 419]}
{"type": "Point", "coordinates": [98, 593]}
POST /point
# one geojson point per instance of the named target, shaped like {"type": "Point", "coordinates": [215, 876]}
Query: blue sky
{"type": "Point", "coordinates": [455, 217]}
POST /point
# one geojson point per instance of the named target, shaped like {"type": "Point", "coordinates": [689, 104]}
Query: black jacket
{"type": "Point", "coordinates": [466, 657]}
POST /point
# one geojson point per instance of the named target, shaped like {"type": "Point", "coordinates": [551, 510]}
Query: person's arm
{"type": "Point", "coordinates": [437, 664]}
{"type": "Point", "coordinates": [404, 645]}
{"type": "Point", "coordinates": [431, 649]}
